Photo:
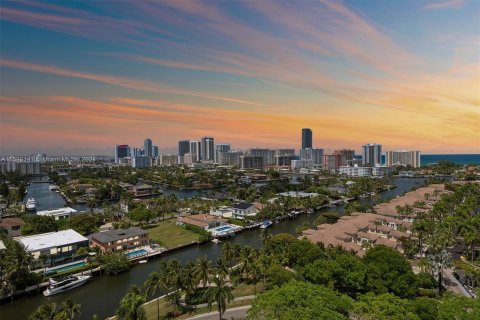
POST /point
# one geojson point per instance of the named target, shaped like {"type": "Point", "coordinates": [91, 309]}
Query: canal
{"type": "Point", "coordinates": [102, 294]}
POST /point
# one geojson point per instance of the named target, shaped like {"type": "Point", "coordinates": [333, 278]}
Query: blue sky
{"type": "Point", "coordinates": [81, 76]}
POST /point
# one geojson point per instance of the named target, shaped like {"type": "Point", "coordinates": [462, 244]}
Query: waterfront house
{"type": "Point", "coordinates": [244, 210]}
{"type": "Point", "coordinates": [142, 190]}
{"type": "Point", "coordinates": [58, 214]}
{"type": "Point", "coordinates": [204, 221]}
{"type": "Point", "coordinates": [54, 246]}
{"type": "Point", "coordinates": [119, 239]}
{"type": "Point", "coordinates": [12, 226]}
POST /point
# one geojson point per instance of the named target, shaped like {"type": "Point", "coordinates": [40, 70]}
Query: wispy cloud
{"type": "Point", "coordinates": [445, 4]}
{"type": "Point", "coordinates": [120, 81]}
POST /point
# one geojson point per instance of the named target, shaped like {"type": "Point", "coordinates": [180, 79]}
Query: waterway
{"type": "Point", "coordinates": [102, 294]}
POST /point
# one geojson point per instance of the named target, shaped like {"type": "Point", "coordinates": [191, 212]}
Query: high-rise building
{"type": "Point", "coordinates": [141, 162]}
{"type": "Point", "coordinates": [220, 148]}
{"type": "Point", "coordinates": [251, 162]}
{"type": "Point", "coordinates": [371, 154]}
{"type": "Point", "coordinates": [183, 147]}
{"type": "Point", "coordinates": [136, 152]}
{"type": "Point", "coordinates": [155, 152]}
{"type": "Point", "coordinates": [284, 152]}
{"type": "Point", "coordinates": [313, 154]}
{"type": "Point", "coordinates": [332, 162]}
{"type": "Point", "coordinates": [349, 154]}
{"type": "Point", "coordinates": [148, 147]}
{"type": "Point", "coordinates": [306, 138]}
{"type": "Point", "coordinates": [121, 151]}
{"type": "Point", "coordinates": [230, 158]}
{"type": "Point", "coordinates": [268, 155]}
{"type": "Point", "coordinates": [207, 152]}
{"type": "Point", "coordinates": [195, 147]}
{"type": "Point", "coordinates": [403, 157]}
{"type": "Point", "coordinates": [284, 160]}
{"type": "Point", "coordinates": [168, 159]}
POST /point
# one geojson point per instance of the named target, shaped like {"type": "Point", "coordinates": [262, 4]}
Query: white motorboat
{"type": "Point", "coordinates": [266, 224]}
{"type": "Point", "coordinates": [31, 204]}
{"type": "Point", "coordinates": [53, 187]}
{"type": "Point", "coordinates": [63, 284]}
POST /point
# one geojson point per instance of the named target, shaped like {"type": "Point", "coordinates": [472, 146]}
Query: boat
{"type": "Point", "coordinates": [142, 261]}
{"type": "Point", "coordinates": [53, 187]}
{"type": "Point", "coordinates": [266, 224]}
{"type": "Point", "coordinates": [31, 204]}
{"type": "Point", "coordinates": [63, 284]}
{"type": "Point", "coordinates": [215, 240]}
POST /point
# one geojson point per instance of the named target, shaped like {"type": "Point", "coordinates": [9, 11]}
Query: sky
{"type": "Point", "coordinates": [76, 78]}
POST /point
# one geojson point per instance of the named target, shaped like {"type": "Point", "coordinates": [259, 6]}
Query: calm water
{"type": "Point", "coordinates": [102, 294]}
{"type": "Point", "coordinates": [426, 159]}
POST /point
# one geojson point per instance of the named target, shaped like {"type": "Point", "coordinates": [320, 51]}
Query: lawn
{"type": "Point", "coordinates": [169, 235]}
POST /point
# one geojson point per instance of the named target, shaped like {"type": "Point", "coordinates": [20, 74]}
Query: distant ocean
{"type": "Point", "coordinates": [426, 159]}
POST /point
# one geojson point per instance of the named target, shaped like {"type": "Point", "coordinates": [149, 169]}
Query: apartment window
{"type": "Point", "coordinates": [119, 247]}
{"type": "Point", "coordinates": [53, 251]}
{"type": "Point", "coordinates": [119, 241]}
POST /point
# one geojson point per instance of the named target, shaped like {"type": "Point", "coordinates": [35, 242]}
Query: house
{"type": "Point", "coordinates": [223, 211]}
{"type": "Point", "coordinates": [119, 239]}
{"type": "Point", "coordinates": [58, 214]}
{"type": "Point", "coordinates": [244, 210]}
{"type": "Point", "coordinates": [126, 187]}
{"type": "Point", "coordinates": [142, 190]}
{"type": "Point", "coordinates": [13, 226]}
{"type": "Point", "coordinates": [54, 246]}
{"type": "Point", "coordinates": [204, 221]}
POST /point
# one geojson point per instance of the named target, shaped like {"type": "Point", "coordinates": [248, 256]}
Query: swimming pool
{"type": "Point", "coordinates": [224, 228]}
{"type": "Point", "coordinates": [136, 253]}
{"type": "Point", "coordinates": [68, 267]}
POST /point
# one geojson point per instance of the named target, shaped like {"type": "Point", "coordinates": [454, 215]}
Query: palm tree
{"type": "Point", "coordinates": [439, 261]}
{"type": "Point", "coordinates": [174, 279]}
{"type": "Point", "coordinates": [221, 293]}
{"type": "Point", "coordinates": [91, 203]}
{"type": "Point", "coordinates": [156, 283]}
{"type": "Point", "coordinates": [131, 305]}
{"type": "Point", "coordinates": [70, 309]}
{"type": "Point", "coordinates": [265, 236]}
{"type": "Point", "coordinates": [47, 311]}
{"type": "Point", "coordinates": [202, 270]}
{"type": "Point", "coordinates": [189, 282]}
{"type": "Point", "coordinates": [248, 257]}
{"type": "Point", "coordinates": [421, 226]}
{"type": "Point", "coordinates": [263, 263]}
{"type": "Point", "coordinates": [222, 267]}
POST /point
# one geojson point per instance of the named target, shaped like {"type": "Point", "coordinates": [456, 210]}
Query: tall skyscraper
{"type": "Point", "coordinates": [371, 154]}
{"type": "Point", "coordinates": [148, 147]}
{"type": "Point", "coordinates": [183, 147]}
{"type": "Point", "coordinates": [195, 147]}
{"type": "Point", "coordinates": [220, 148]}
{"type": "Point", "coordinates": [306, 138]}
{"type": "Point", "coordinates": [403, 157]}
{"type": "Point", "coordinates": [121, 151]}
{"type": "Point", "coordinates": [155, 151]}
{"type": "Point", "coordinates": [207, 152]}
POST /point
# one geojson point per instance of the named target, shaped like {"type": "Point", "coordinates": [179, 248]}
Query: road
{"type": "Point", "coordinates": [238, 313]}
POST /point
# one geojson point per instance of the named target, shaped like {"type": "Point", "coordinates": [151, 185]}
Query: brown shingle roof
{"type": "Point", "coordinates": [11, 222]}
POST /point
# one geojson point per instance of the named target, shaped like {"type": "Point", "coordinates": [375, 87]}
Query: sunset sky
{"type": "Point", "coordinates": [79, 77]}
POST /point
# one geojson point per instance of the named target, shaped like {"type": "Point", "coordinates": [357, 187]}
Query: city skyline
{"type": "Point", "coordinates": [79, 77]}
